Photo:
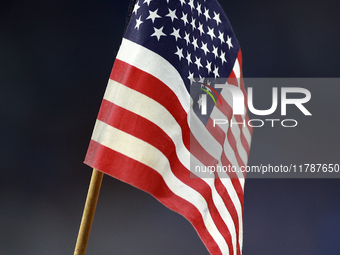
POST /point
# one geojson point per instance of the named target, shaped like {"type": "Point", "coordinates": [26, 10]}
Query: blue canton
{"type": "Point", "coordinates": [193, 35]}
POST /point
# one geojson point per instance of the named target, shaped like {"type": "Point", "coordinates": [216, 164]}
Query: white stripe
{"type": "Point", "coordinates": [237, 71]}
{"type": "Point", "coordinates": [131, 146]}
{"type": "Point", "coordinates": [154, 64]}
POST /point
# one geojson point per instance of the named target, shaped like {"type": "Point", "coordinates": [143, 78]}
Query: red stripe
{"type": "Point", "coordinates": [148, 180]}
{"type": "Point", "coordinates": [239, 58]}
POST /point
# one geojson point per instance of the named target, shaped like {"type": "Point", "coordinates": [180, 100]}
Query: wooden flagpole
{"type": "Point", "coordinates": [88, 214]}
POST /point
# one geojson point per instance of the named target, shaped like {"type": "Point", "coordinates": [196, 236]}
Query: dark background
{"type": "Point", "coordinates": [55, 60]}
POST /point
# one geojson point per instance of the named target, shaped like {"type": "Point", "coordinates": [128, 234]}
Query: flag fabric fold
{"type": "Point", "coordinates": [143, 135]}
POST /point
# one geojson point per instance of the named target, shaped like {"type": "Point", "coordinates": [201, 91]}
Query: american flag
{"type": "Point", "coordinates": [144, 134]}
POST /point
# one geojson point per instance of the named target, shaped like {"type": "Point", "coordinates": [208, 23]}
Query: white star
{"type": "Point", "coordinates": [184, 18]}
{"type": "Point", "coordinates": [135, 8]}
{"type": "Point", "coordinates": [215, 51]}
{"type": "Point", "coordinates": [222, 57]}
{"type": "Point", "coordinates": [182, 2]}
{"type": "Point", "coordinates": [191, 77]}
{"type": "Point", "coordinates": [179, 53]}
{"type": "Point", "coordinates": [153, 15]}
{"type": "Point", "coordinates": [200, 28]}
{"type": "Point", "coordinates": [193, 24]}
{"type": "Point", "coordinates": [189, 58]}
{"type": "Point", "coordinates": [158, 33]}
{"type": "Point", "coordinates": [199, 9]}
{"type": "Point", "coordinates": [201, 79]}
{"type": "Point", "coordinates": [229, 42]}
{"type": "Point", "coordinates": [194, 43]}
{"type": "Point", "coordinates": [138, 22]}
{"type": "Point", "coordinates": [198, 63]}
{"type": "Point", "coordinates": [217, 18]}
{"type": "Point", "coordinates": [186, 38]}
{"type": "Point", "coordinates": [191, 4]}
{"type": "Point", "coordinates": [172, 15]}
{"type": "Point", "coordinates": [205, 48]}
{"type": "Point", "coordinates": [208, 66]}
{"type": "Point", "coordinates": [206, 14]}
{"type": "Point", "coordinates": [147, 2]}
{"type": "Point", "coordinates": [175, 33]}
{"type": "Point", "coordinates": [211, 33]}
{"type": "Point", "coordinates": [216, 72]}
{"type": "Point", "coordinates": [221, 36]}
